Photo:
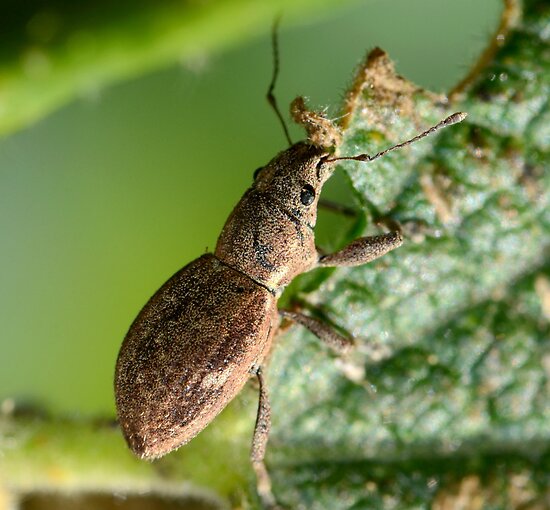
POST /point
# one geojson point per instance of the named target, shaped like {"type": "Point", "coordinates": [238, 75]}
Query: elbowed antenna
{"type": "Point", "coordinates": [449, 121]}
{"type": "Point", "coordinates": [270, 96]}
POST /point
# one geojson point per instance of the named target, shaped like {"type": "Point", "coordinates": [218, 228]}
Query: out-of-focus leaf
{"type": "Point", "coordinates": [51, 53]}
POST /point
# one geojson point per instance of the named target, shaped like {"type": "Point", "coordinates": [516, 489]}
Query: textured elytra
{"type": "Point", "coordinates": [190, 351]}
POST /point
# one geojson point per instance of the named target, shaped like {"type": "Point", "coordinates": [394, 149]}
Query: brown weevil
{"type": "Point", "coordinates": [209, 328]}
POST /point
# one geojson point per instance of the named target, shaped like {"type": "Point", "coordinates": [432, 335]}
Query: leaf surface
{"type": "Point", "coordinates": [447, 393]}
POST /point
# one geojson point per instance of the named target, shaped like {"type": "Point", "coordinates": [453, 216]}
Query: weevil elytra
{"type": "Point", "coordinates": [209, 328]}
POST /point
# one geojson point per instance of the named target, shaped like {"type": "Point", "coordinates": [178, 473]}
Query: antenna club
{"type": "Point", "coordinates": [455, 118]}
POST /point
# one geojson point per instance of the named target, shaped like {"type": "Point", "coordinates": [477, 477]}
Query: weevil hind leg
{"type": "Point", "coordinates": [362, 250]}
{"type": "Point", "coordinates": [325, 332]}
{"type": "Point", "coordinates": [259, 444]}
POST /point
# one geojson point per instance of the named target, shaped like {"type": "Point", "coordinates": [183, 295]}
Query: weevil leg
{"type": "Point", "coordinates": [362, 250]}
{"type": "Point", "coordinates": [337, 208]}
{"type": "Point", "coordinates": [259, 444]}
{"type": "Point", "coordinates": [337, 342]}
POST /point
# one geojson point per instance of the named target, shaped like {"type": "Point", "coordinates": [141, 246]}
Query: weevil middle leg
{"type": "Point", "coordinates": [325, 332]}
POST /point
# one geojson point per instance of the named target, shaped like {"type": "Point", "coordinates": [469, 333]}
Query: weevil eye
{"type": "Point", "coordinates": [307, 196]}
{"type": "Point", "coordinates": [256, 172]}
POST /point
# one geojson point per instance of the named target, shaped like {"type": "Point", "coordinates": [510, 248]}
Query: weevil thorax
{"type": "Point", "coordinates": [269, 235]}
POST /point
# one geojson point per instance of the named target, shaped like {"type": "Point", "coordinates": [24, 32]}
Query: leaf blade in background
{"type": "Point", "coordinates": [448, 391]}
{"type": "Point", "coordinates": [53, 54]}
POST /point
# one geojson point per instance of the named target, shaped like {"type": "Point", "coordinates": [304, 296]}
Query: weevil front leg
{"type": "Point", "coordinates": [362, 250]}
{"type": "Point", "coordinates": [358, 252]}
{"type": "Point", "coordinates": [259, 444]}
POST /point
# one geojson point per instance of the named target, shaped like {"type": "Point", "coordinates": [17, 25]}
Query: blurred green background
{"type": "Point", "coordinates": [104, 199]}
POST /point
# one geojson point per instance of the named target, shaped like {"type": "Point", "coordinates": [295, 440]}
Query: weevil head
{"type": "Point", "coordinates": [293, 180]}
{"type": "Point", "coordinates": [269, 235]}
{"type": "Point", "coordinates": [295, 177]}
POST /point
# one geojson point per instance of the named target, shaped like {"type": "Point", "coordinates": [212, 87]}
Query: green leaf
{"type": "Point", "coordinates": [447, 394]}
{"type": "Point", "coordinates": [52, 53]}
